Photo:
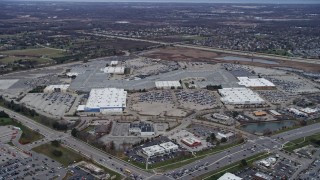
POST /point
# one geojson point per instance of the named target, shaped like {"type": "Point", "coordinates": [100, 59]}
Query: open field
{"type": "Point", "coordinates": [68, 156]}
{"type": "Point", "coordinates": [40, 55]}
{"type": "Point", "coordinates": [35, 52]}
{"type": "Point", "coordinates": [180, 54]}
{"type": "Point", "coordinates": [27, 136]}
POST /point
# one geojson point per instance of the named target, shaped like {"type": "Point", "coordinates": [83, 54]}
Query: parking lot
{"type": "Point", "coordinates": [199, 99]}
{"type": "Point", "coordinates": [55, 104]}
{"type": "Point", "coordinates": [275, 96]}
{"type": "Point", "coordinates": [120, 129]}
{"type": "Point", "coordinates": [18, 165]}
{"type": "Point", "coordinates": [312, 172]}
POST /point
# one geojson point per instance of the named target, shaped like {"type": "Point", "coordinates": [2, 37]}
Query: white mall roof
{"type": "Point", "coordinates": [107, 98]}
{"type": "Point", "coordinates": [52, 87]}
{"type": "Point", "coordinates": [240, 96]}
{"type": "Point", "coordinates": [160, 84]}
{"type": "Point", "coordinates": [255, 82]}
{"type": "Point", "coordinates": [229, 176]}
{"type": "Point", "coordinates": [81, 108]}
{"type": "Point", "coordinates": [113, 70]}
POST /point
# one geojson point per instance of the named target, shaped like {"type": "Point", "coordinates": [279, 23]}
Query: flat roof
{"type": "Point", "coordinates": [113, 70]}
{"type": "Point", "coordinates": [160, 84]}
{"type": "Point", "coordinates": [114, 63]}
{"type": "Point", "coordinates": [169, 145]}
{"type": "Point", "coordinates": [229, 176]}
{"type": "Point", "coordinates": [153, 149]}
{"type": "Point", "coordinates": [107, 98]}
{"type": "Point", "coordinates": [255, 82]}
{"type": "Point", "coordinates": [240, 96]}
{"type": "Point", "coordinates": [191, 140]}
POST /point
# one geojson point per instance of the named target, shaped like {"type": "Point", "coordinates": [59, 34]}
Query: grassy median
{"type": "Point", "coordinates": [61, 154]}
{"type": "Point", "coordinates": [301, 142]}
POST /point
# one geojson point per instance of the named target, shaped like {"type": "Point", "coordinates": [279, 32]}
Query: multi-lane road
{"type": "Point", "coordinates": [250, 148]}
{"type": "Point", "coordinates": [213, 162]}
{"type": "Point", "coordinates": [87, 150]}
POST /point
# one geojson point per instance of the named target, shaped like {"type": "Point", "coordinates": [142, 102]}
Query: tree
{"type": "Point", "coordinates": [55, 143]}
{"type": "Point", "coordinates": [208, 139]}
{"type": "Point", "coordinates": [244, 162]}
{"type": "Point", "coordinates": [223, 140]}
{"type": "Point", "coordinates": [212, 136]}
{"type": "Point", "coordinates": [74, 132]}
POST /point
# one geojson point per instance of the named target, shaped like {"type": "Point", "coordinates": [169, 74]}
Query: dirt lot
{"type": "Point", "coordinates": [186, 54]}
{"type": "Point", "coordinates": [180, 54]}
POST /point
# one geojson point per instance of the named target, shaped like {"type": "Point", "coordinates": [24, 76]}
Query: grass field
{"type": "Point", "coordinates": [41, 55]}
{"type": "Point", "coordinates": [298, 143]}
{"type": "Point", "coordinates": [68, 156]}
{"type": "Point", "coordinates": [11, 59]}
{"type": "Point", "coordinates": [27, 136]}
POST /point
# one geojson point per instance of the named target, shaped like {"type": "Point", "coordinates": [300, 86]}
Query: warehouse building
{"type": "Point", "coordinates": [256, 83]}
{"type": "Point", "coordinates": [168, 84]}
{"type": "Point", "coordinates": [191, 142]}
{"type": "Point", "coordinates": [106, 100]}
{"type": "Point", "coordinates": [158, 150]}
{"type": "Point", "coordinates": [56, 88]}
{"type": "Point", "coordinates": [142, 128]}
{"type": "Point", "coordinates": [239, 96]}
{"type": "Point", "coordinates": [113, 70]}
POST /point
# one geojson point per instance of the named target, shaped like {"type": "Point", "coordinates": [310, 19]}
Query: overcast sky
{"type": "Point", "coordinates": [204, 1]}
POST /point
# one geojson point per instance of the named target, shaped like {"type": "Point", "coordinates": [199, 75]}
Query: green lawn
{"type": "Point", "coordinates": [298, 143]}
{"type": "Point", "coordinates": [35, 52]}
{"type": "Point", "coordinates": [11, 59]}
{"type": "Point", "coordinates": [68, 156]}
{"type": "Point", "coordinates": [232, 168]}
{"type": "Point", "coordinates": [27, 136]}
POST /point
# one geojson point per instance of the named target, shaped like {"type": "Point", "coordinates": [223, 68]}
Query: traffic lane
{"type": "Point", "coordinates": [29, 123]}
{"type": "Point", "coordinates": [298, 133]}
{"type": "Point", "coordinates": [228, 156]}
{"type": "Point", "coordinates": [76, 144]}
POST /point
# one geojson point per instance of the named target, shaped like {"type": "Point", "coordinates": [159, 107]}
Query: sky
{"type": "Point", "coordinates": [202, 1]}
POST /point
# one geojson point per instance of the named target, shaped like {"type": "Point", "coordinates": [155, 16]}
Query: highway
{"type": "Point", "coordinates": [250, 148]}
{"type": "Point", "coordinates": [214, 162]}
{"type": "Point", "coordinates": [97, 155]}
{"type": "Point", "coordinates": [240, 53]}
